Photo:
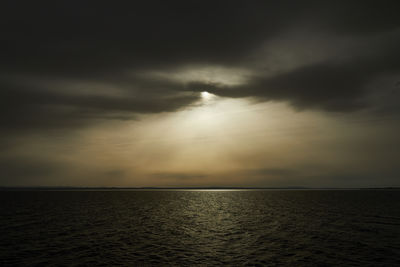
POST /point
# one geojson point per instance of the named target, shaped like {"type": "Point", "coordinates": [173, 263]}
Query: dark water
{"type": "Point", "coordinates": [293, 228]}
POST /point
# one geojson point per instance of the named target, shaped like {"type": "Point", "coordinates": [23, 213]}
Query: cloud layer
{"type": "Point", "coordinates": [68, 65]}
{"type": "Point", "coordinates": [113, 43]}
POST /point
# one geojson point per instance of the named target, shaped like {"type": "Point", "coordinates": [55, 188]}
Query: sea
{"type": "Point", "coordinates": [200, 228]}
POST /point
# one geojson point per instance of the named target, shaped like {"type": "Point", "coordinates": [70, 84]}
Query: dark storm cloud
{"type": "Point", "coordinates": [321, 86]}
{"type": "Point", "coordinates": [96, 37]}
{"type": "Point", "coordinates": [100, 41]}
{"type": "Point", "coordinates": [29, 109]}
{"type": "Point", "coordinates": [355, 17]}
{"type": "Point", "coordinates": [92, 38]}
{"type": "Point", "coordinates": [326, 86]}
{"type": "Point", "coordinates": [335, 85]}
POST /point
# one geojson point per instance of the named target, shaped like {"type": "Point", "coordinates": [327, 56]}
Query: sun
{"type": "Point", "coordinates": [206, 95]}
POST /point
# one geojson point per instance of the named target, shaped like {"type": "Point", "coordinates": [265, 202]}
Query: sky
{"type": "Point", "coordinates": [200, 93]}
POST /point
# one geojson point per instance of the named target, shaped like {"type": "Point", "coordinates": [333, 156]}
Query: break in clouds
{"type": "Point", "coordinates": [69, 66]}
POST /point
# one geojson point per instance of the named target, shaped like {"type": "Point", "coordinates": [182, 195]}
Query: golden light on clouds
{"type": "Point", "coordinates": [210, 143]}
{"type": "Point", "coordinates": [210, 74]}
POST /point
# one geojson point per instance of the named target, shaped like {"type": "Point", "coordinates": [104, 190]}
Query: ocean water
{"type": "Point", "coordinates": [186, 228]}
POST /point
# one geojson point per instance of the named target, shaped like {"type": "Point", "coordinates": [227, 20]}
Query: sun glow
{"type": "Point", "coordinates": [206, 95]}
{"type": "Point", "coordinates": [208, 140]}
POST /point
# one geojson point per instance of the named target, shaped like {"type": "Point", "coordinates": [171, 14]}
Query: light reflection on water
{"type": "Point", "coordinates": [211, 227]}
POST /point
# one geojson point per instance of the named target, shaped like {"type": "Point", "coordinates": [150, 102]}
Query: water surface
{"type": "Point", "coordinates": [267, 227]}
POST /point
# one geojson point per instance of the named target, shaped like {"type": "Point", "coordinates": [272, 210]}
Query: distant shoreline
{"type": "Point", "coordinates": [72, 188]}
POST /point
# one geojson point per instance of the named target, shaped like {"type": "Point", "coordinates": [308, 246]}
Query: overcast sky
{"type": "Point", "coordinates": [112, 93]}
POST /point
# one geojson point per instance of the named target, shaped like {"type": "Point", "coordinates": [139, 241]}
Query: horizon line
{"type": "Point", "coordinates": [5, 188]}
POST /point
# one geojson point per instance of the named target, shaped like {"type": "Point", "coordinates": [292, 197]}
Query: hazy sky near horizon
{"type": "Point", "coordinates": [200, 93]}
